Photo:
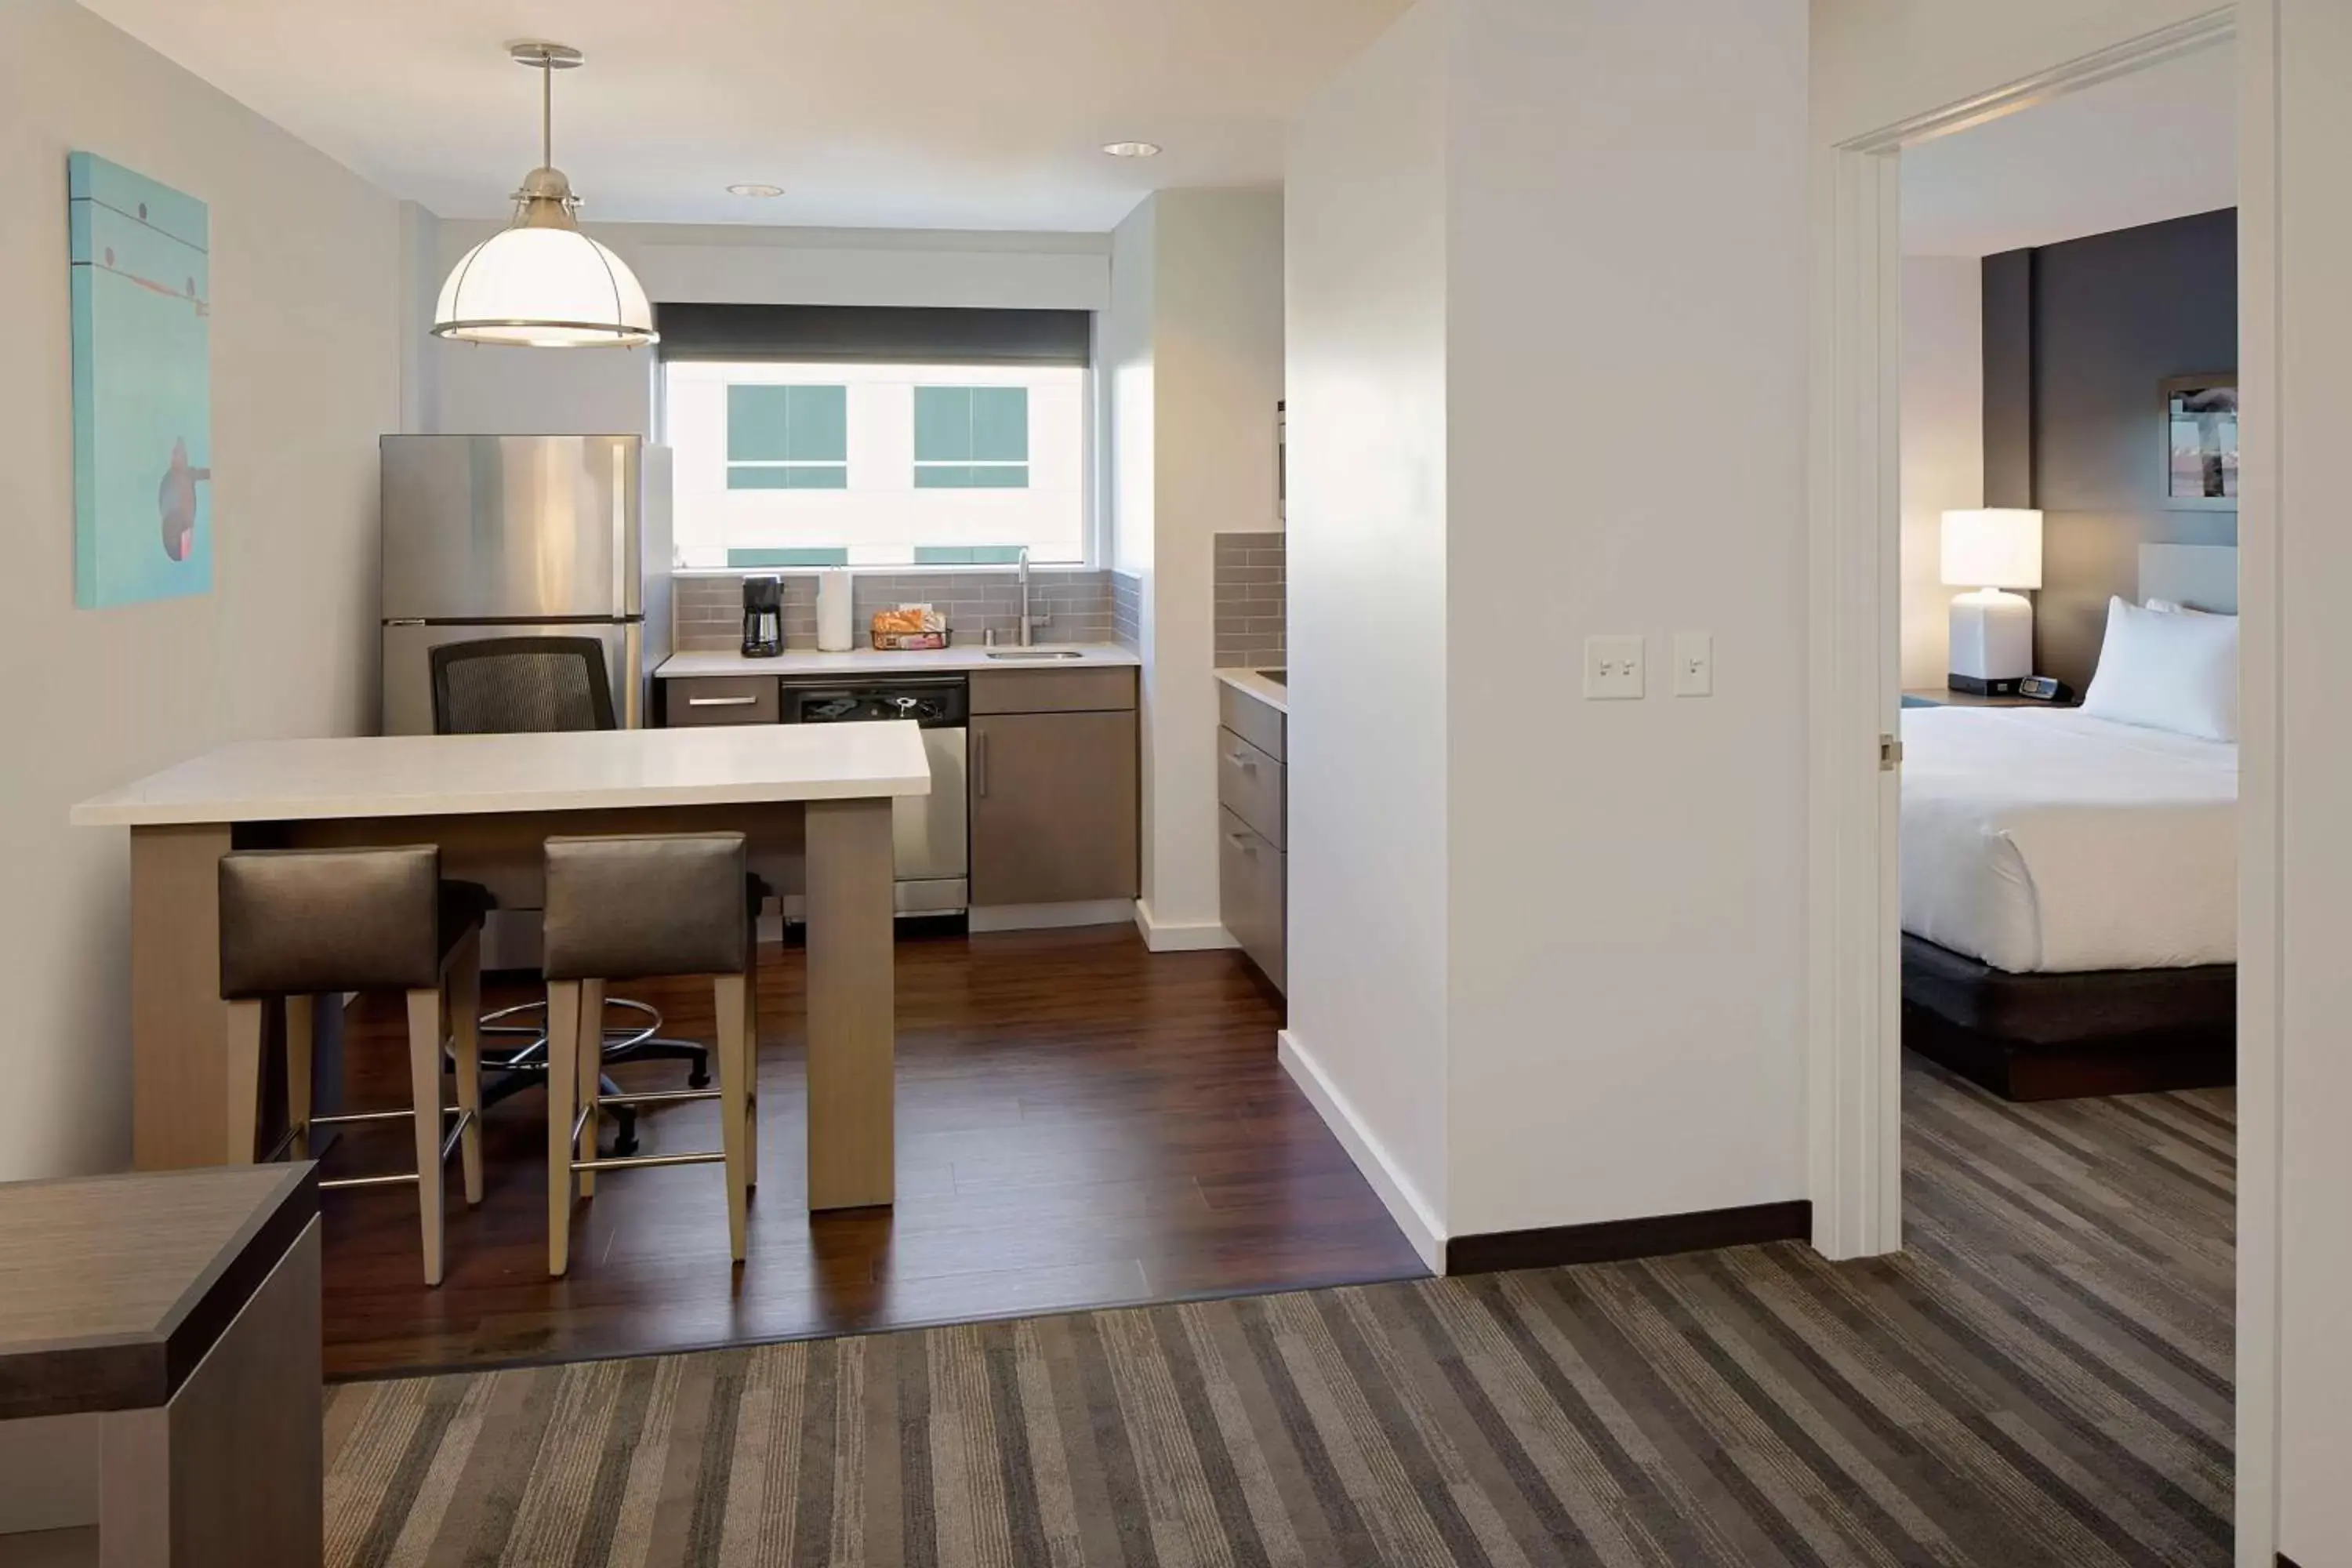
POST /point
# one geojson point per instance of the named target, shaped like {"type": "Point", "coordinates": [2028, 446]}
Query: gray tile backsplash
{"type": "Point", "coordinates": [1077, 605]}
{"type": "Point", "coordinates": [1249, 600]}
{"type": "Point", "coordinates": [1126, 610]}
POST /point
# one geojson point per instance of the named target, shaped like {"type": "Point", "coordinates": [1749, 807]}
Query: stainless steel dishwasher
{"type": "Point", "coordinates": [931, 834]}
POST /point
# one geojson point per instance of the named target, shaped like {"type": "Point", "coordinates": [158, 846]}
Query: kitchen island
{"type": "Point", "coordinates": [488, 801]}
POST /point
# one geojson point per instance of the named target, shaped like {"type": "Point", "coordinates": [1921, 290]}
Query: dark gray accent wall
{"type": "Point", "coordinates": [2109, 318]}
{"type": "Point", "coordinates": [2008, 379]}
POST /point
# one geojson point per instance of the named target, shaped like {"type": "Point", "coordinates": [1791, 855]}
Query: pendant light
{"type": "Point", "coordinates": [541, 283]}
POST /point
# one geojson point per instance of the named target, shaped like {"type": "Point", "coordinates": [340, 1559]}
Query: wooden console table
{"type": "Point", "coordinates": [179, 1310]}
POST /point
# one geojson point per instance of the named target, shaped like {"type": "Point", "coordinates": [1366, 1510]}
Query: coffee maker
{"type": "Point", "coordinates": [763, 617]}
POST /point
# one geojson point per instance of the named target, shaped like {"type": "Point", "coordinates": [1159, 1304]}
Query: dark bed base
{"type": "Point", "coordinates": [2054, 1036]}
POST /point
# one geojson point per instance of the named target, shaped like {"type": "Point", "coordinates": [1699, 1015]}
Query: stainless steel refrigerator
{"type": "Point", "coordinates": [502, 536]}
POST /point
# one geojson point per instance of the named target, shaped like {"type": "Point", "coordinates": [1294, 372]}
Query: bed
{"type": "Point", "coordinates": [2069, 883]}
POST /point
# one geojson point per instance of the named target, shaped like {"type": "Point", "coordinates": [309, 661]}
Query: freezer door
{"type": "Point", "coordinates": [523, 527]}
{"type": "Point", "coordinates": [408, 667]}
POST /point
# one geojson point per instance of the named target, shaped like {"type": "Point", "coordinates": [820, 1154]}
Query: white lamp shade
{"type": "Point", "coordinates": [2001, 548]}
{"type": "Point", "coordinates": [543, 288]}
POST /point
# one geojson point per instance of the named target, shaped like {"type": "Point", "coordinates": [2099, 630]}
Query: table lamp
{"type": "Point", "coordinates": [1992, 630]}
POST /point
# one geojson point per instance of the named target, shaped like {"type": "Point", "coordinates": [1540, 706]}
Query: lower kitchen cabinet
{"type": "Point", "coordinates": [1250, 874]}
{"type": "Point", "coordinates": [1054, 807]}
{"type": "Point", "coordinates": [1254, 823]}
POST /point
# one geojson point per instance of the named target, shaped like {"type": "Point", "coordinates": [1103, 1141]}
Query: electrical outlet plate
{"type": "Point", "coordinates": [1613, 667]}
{"type": "Point", "coordinates": [1694, 664]}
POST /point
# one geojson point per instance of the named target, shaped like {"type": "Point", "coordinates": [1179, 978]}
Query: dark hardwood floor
{"type": "Point", "coordinates": [1082, 1123]}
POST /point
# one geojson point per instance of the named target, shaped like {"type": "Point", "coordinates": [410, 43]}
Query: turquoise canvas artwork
{"type": "Point", "coordinates": [142, 386]}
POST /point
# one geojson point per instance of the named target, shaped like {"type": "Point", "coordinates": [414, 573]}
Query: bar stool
{"type": "Point", "coordinates": [300, 923]}
{"type": "Point", "coordinates": [641, 908]}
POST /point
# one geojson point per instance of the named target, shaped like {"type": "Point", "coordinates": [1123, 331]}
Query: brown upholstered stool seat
{"type": "Point", "coordinates": [301, 924]}
{"type": "Point", "coordinates": [637, 908]}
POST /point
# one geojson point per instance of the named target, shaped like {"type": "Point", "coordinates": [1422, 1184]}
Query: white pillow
{"type": "Point", "coordinates": [2167, 671]}
{"type": "Point", "coordinates": [2175, 607]}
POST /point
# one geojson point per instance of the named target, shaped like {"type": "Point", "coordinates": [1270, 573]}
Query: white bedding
{"type": "Point", "coordinates": [2042, 840]}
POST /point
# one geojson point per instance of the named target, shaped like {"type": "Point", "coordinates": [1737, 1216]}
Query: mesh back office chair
{"type": "Point", "coordinates": [538, 685]}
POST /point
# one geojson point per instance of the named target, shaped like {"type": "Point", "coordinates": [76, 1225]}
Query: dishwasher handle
{"type": "Point", "coordinates": [980, 765]}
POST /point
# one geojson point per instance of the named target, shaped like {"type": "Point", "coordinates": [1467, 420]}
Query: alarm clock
{"type": "Point", "coordinates": [2044, 689]}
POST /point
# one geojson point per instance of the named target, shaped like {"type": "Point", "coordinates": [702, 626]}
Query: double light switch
{"type": "Point", "coordinates": [1613, 666]}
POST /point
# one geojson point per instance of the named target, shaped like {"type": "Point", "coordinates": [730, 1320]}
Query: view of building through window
{"type": "Point", "coordinates": [870, 465]}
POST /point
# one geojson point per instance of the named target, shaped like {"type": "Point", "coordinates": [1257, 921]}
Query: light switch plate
{"type": "Point", "coordinates": [1694, 664]}
{"type": "Point", "coordinates": [1613, 666]}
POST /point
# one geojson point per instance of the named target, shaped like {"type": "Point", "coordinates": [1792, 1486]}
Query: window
{"type": "Point", "coordinates": [787, 438]}
{"type": "Point", "coordinates": [971, 437]}
{"type": "Point", "coordinates": [780, 463]}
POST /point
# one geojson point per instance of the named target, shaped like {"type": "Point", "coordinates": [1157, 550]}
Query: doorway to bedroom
{"type": "Point", "coordinates": [2067, 875]}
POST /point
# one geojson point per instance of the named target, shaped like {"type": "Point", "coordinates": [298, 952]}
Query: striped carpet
{"type": "Point", "coordinates": [2043, 1377]}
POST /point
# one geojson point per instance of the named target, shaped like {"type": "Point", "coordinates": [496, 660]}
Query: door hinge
{"type": "Point", "coordinates": [1890, 753]}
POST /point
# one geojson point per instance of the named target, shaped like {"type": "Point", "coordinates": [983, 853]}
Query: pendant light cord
{"type": "Point", "coordinates": [547, 111]}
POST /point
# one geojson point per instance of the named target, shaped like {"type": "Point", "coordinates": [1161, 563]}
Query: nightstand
{"type": "Point", "coordinates": [1939, 696]}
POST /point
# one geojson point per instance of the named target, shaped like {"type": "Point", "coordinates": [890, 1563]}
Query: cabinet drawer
{"type": "Point", "coordinates": [1250, 786]}
{"type": "Point", "coordinates": [722, 699]}
{"type": "Point", "coordinates": [1260, 724]}
{"type": "Point", "coordinates": [1053, 691]}
{"type": "Point", "coordinates": [1251, 894]}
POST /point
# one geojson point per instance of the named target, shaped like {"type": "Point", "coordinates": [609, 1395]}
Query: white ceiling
{"type": "Point", "coordinates": [904, 113]}
{"type": "Point", "coordinates": [2158, 144]}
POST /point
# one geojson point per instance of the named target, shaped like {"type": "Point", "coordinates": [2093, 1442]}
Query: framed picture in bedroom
{"type": "Point", "coordinates": [2200, 443]}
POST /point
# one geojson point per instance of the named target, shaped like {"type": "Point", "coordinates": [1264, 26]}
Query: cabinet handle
{"type": "Point", "coordinates": [1241, 841]}
{"type": "Point", "coordinates": [980, 765]}
{"type": "Point", "coordinates": [1242, 762]}
{"type": "Point", "coordinates": [721, 702]}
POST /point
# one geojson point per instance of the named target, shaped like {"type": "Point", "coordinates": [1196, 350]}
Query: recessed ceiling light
{"type": "Point", "coordinates": [755, 190]}
{"type": "Point", "coordinates": [1132, 148]}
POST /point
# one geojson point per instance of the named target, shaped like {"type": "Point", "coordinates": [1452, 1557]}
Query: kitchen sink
{"type": "Point", "coordinates": [1024, 655]}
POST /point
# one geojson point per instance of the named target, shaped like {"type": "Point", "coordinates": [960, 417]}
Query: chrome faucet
{"type": "Point", "coordinates": [1026, 633]}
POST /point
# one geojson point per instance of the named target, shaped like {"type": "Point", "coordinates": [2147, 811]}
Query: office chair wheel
{"type": "Point", "coordinates": [625, 1131]}
{"type": "Point", "coordinates": [700, 1076]}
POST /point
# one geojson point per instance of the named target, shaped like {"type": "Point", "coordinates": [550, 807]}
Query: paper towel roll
{"type": "Point", "coordinates": [835, 624]}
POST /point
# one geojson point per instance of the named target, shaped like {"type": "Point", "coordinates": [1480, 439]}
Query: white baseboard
{"type": "Point", "coordinates": [1180, 936]}
{"type": "Point", "coordinates": [1051, 917]}
{"type": "Point", "coordinates": [1405, 1202]}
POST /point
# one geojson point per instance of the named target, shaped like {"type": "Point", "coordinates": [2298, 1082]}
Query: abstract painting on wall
{"type": "Point", "coordinates": [2200, 432]}
{"type": "Point", "coordinates": [142, 387]}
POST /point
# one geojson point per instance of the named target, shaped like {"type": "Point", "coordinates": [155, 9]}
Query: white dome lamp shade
{"type": "Point", "coordinates": [541, 283]}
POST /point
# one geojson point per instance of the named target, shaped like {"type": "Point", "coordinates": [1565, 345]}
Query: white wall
{"type": "Point", "coordinates": [500, 391]}
{"type": "Point", "coordinates": [1529, 379]}
{"type": "Point", "coordinates": [1943, 443]}
{"type": "Point", "coordinates": [1627, 452]}
{"type": "Point", "coordinates": [1366, 254]}
{"type": "Point", "coordinates": [1125, 334]}
{"type": "Point", "coordinates": [306, 374]}
{"type": "Point", "coordinates": [1215, 373]}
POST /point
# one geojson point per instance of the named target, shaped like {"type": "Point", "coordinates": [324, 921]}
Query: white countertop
{"type": "Point", "coordinates": [455, 775]}
{"type": "Point", "coordinates": [873, 661]}
{"type": "Point", "coordinates": [1251, 683]}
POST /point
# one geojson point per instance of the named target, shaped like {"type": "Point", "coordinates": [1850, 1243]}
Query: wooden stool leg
{"type": "Point", "coordinates": [425, 1094]}
{"type": "Point", "coordinates": [734, 1091]}
{"type": "Point", "coordinates": [751, 1064]}
{"type": "Point", "coordinates": [465, 993]}
{"type": "Point", "coordinates": [247, 1022]}
{"type": "Point", "coordinates": [562, 1088]}
{"type": "Point", "coordinates": [300, 1016]}
{"type": "Point", "coordinates": [592, 1073]}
